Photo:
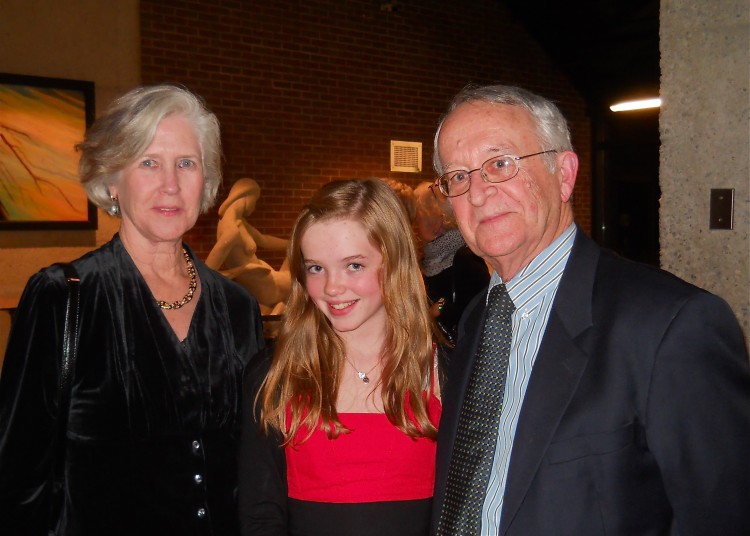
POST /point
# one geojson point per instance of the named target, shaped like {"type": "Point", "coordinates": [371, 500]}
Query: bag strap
{"type": "Point", "coordinates": [68, 365]}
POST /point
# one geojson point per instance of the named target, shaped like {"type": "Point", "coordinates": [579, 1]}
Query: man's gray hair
{"type": "Point", "coordinates": [551, 127]}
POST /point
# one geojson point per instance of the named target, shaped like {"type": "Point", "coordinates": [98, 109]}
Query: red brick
{"type": "Point", "coordinates": [312, 91]}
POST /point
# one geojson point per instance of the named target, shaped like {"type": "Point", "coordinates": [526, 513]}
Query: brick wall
{"type": "Point", "coordinates": [312, 91]}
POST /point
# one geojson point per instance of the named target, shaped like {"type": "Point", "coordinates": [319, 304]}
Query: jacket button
{"type": "Point", "coordinates": [201, 513]}
{"type": "Point", "coordinates": [196, 446]}
{"type": "Point", "coordinates": [198, 478]}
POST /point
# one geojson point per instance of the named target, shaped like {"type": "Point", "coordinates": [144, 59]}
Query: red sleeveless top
{"type": "Point", "coordinates": [374, 462]}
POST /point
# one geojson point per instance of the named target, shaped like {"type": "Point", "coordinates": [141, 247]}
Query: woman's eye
{"type": "Point", "coordinates": [314, 269]}
{"type": "Point", "coordinates": [185, 163]}
{"type": "Point", "coordinates": [355, 266]}
{"type": "Point", "coordinates": [148, 163]}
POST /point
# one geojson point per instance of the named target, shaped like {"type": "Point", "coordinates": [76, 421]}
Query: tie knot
{"type": "Point", "coordinates": [499, 302]}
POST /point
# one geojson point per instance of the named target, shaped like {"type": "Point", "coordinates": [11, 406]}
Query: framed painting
{"type": "Point", "coordinates": [41, 121]}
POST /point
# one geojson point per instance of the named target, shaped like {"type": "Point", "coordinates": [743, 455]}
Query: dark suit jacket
{"type": "Point", "coordinates": [636, 420]}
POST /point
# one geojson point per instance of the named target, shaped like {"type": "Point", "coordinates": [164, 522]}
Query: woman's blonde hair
{"type": "Point", "coordinates": [302, 386]}
{"type": "Point", "coordinates": [126, 129]}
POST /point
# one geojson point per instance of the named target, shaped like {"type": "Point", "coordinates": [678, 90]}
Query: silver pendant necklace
{"type": "Point", "coordinates": [360, 374]}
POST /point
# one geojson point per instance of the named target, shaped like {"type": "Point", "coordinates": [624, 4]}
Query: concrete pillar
{"type": "Point", "coordinates": [705, 137]}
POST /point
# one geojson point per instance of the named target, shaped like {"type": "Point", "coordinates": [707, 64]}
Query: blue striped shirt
{"type": "Point", "coordinates": [532, 290]}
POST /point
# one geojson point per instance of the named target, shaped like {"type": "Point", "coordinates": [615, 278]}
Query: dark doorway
{"type": "Point", "coordinates": [609, 49]}
{"type": "Point", "coordinates": [626, 183]}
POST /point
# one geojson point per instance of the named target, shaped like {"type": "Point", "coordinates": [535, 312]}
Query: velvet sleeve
{"type": "Point", "coordinates": [698, 419]}
{"type": "Point", "coordinates": [262, 485]}
{"type": "Point", "coordinates": [28, 403]}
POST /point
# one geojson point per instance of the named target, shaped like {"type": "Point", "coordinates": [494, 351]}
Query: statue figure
{"type": "Point", "coordinates": [234, 253]}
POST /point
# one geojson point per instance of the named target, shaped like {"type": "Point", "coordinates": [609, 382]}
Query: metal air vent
{"type": "Point", "coordinates": [406, 156]}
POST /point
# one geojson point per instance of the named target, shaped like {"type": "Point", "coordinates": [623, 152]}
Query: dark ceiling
{"type": "Point", "coordinates": [608, 48]}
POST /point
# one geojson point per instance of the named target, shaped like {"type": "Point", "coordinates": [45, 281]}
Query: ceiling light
{"type": "Point", "coordinates": [635, 105]}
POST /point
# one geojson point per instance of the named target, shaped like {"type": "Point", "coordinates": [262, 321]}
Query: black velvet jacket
{"type": "Point", "coordinates": [154, 421]}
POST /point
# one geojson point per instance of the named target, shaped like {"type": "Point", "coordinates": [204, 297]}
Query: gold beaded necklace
{"type": "Point", "coordinates": [191, 287]}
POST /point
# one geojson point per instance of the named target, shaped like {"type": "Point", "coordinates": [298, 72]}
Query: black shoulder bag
{"type": "Point", "coordinates": [67, 371]}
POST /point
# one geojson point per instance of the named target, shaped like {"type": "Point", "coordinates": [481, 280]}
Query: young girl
{"type": "Point", "coordinates": [342, 439]}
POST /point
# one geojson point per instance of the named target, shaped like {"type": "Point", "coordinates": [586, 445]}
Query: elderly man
{"type": "Point", "coordinates": [587, 394]}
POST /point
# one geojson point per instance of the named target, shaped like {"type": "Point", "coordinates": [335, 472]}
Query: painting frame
{"type": "Point", "coordinates": [45, 198]}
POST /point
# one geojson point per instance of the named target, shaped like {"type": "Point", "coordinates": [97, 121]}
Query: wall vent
{"type": "Point", "coordinates": [406, 156]}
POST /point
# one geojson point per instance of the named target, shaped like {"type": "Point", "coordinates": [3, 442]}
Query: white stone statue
{"type": "Point", "coordinates": [234, 254]}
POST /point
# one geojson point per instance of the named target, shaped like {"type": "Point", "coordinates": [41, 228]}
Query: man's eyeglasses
{"type": "Point", "coordinates": [497, 169]}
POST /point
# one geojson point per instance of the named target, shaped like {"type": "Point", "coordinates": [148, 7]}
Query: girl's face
{"type": "Point", "coordinates": [343, 276]}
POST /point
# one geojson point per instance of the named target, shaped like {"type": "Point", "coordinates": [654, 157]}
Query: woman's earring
{"type": "Point", "coordinates": [114, 210]}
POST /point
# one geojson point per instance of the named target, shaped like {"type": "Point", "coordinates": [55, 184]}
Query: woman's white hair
{"type": "Point", "coordinates": [124, 131]}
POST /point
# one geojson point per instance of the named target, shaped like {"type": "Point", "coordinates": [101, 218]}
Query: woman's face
{"type": "Point", "coordinates": [428, 218]}
{"type": "Point", "coordinates": [160, 191]}
{"type": "Point", "coordinates": [343, 276]}
{"type": "Point", "coordinates": [428, 225]}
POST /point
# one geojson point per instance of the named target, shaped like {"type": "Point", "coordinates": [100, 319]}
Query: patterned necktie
{"type": "Point", "coordinates": [478, 422]}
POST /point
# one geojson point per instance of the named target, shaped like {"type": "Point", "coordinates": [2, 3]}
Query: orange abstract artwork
{"type": "Point", "coordinates": [39, 128]}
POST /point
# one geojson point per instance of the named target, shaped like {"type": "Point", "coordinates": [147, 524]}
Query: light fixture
{"type": "Point", "coordinates": [635, 105]}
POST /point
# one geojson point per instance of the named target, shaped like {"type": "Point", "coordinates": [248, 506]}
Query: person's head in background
{"type": "Point", "coordinates": [434, 215]}
{"type": "Point", "coordinates": [405, 194]}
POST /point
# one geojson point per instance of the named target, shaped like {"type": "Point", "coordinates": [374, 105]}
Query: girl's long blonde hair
{"type": "Point", "coordinates": [302, 385]}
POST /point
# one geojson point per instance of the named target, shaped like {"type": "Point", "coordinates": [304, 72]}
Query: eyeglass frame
{"type": "Point", "coordinates": [516, 159]}
{"type": "Point", "coordinates": [435, 194]}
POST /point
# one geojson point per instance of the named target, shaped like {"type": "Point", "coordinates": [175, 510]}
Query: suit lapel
{"type": "Point", "coordinates": [557, 370]}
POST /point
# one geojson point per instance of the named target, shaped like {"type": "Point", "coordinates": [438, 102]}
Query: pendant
{"type": "Point", "coordinates": [363, 376]}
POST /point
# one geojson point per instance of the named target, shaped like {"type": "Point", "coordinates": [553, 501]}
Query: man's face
{"type": "Point", "coordinates": [507, 223]}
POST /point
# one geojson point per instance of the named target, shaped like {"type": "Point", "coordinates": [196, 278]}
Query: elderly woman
{"type": "Point", "coordinates": [452, 274]}
{"type": "Point", "coordinates": [154, 411]}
